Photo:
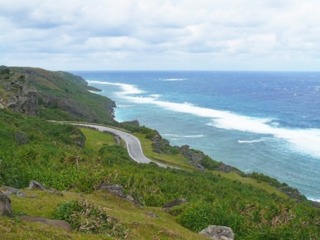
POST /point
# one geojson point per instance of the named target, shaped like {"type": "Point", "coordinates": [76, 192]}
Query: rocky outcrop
{"type": "Point", "coordinates": [174, 203]}
{"type": "Point", "coordinates": [218, 232]}
{"type": "Point", "coordinates": [17, 94]}
{"type": "Point", "coordinates": [118, 190]}
{"type": "Point", "coordinates": [195, 157]}
{"type": "Point", "coordinates": [11, 190]}
{"type": "Point", "coordinates": [5, 206]}
{"type": "Point", "coordinates": [54, 223]}
{"type": "Point", "coordinates": [36, 185]}
{"type": "Point", "coordinates": [25, 102]}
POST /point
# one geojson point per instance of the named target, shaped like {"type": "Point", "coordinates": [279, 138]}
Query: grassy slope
{"type": "Point", "coordinates": [59, 163]}
{"type": "Point", "coordinates": [31, 148]}
{"type": "Point", "coordinates": [64, 96]}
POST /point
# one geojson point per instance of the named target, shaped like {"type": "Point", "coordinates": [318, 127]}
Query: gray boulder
{"type": "Point", "coordinates": [36, 185]}
{"type": "Point", "coordinates": [177, 202]}
{"type": "Point", "coordinates": [5, 206]}
{"type": "Point", "coordinates": [10, 190]}
{"type": "Point", "coordinates": [55, 223]}
{"type": "Point", "coordinates": [218, 232]}
{"type": "Point", "coordinates": [118, 190]}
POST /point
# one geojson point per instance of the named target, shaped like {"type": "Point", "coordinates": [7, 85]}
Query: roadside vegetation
{"type": "Point", "coordinates": [33, 149]}
{"type": "Point", "coordinates": [73, 163]}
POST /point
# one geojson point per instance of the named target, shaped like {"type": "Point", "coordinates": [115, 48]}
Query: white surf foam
{"type": "Point", "coordinates": [314, 199]}
{"type": "Point", "coordinates": [302, 140]}
{"type": "Point", "coordinates": [127, 89]}
{"type": "Point", "coordinates": [194, 136]}
{"type": "Point", "coordinates": [172, 79]}
{"type": "Point", "coordinates": [251, 141]}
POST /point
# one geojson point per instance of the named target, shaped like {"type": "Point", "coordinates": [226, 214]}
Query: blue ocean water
{"type": "Point", "coordinates": [267, 122]}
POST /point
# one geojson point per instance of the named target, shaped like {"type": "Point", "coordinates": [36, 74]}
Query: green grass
{"type": "Point", "coordinates": [246, 180]}
{"type": "Point", "coordinates": [51, 156]}
{"type": "Point", "coordinates": [95, 139]}
{"type": "Point", "coordinates": [171, 159]}
{"type": "Point", "coordinates": [141, 225]}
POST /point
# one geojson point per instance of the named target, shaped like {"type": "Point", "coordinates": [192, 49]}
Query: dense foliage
{"type": "Point", "coordinates": [31, 148]}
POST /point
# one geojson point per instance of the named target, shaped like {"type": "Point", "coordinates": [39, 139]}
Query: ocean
{"type": "Point", "coordinates": [267, 122]}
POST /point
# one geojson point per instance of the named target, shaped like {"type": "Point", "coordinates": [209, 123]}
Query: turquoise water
{"type": "Point", "coordinates": [256, 121]}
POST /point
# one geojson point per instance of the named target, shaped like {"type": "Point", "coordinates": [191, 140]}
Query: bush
{"type": "Point", "coordinates": [197, 216]}
{"type": "Point", "coordinates": [86, 217]}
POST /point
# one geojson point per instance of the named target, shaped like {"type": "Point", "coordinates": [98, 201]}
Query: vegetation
{"type": "Point", "coordinates": [86, 217]}
{"type": "Point", "coordinates": [61, 95]}
{"type": "Point", "coordinates": [76, 161]}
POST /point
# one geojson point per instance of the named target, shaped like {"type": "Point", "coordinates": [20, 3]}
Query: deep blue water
{"type": "Point", "coordinates": [257, 121]}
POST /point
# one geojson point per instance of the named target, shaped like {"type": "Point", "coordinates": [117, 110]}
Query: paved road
{"type": "Point", "coordinates": [133, 143]}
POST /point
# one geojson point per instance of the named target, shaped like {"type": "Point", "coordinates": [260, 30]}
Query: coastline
{"type": "Point", "coordinates": [118, 120]}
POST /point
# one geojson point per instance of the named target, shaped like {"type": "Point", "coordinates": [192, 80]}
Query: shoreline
{"type": "Point", "coordinates": [317, 199]}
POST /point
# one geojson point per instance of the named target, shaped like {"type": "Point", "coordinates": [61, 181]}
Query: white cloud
{"type": "Point", "coordinates": [161, 34]}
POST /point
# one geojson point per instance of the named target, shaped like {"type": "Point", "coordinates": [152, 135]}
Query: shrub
{"type": "Point", "coordinates": [86, 217]}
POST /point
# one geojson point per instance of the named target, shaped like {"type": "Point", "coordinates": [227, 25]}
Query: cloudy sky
{"type": "Point", "coordinates": [161, 34]}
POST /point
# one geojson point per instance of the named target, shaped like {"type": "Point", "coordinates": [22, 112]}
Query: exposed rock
{"type": "Point", "coordinates": [177, 202]}
{"type": "Point", "coordinates": [55, 223]}
{"type": "Point", "coordinates": [218, 232]}
{"type": "Point", "coordinates": [226, 168]}
{"type": "Point", "coordinates": [195, 157]}
{"type": "Point", "coordinates": [118, 190]}
{"type": "Point", "coordinates": [36, 185]}
{"type": "Point", "coordinates": [5, 206]}
{"type": "Point", "coordinates": [25, 100]}
{"type": "Point", "coordinates": [10, 190]}
{"type": "Point", "coordinates": [152, 214]}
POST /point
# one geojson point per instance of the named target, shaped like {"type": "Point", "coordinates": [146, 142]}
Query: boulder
{"type": "Point", "coordinates": [118, 190]}
{"type": "Point", "coordinates": [36, 185]}
{"type": "Point", "coordinates": [218, 232]}
{"type": "Point", "coordinates": [177, 202]}
{"type": "Point", "coordinates": [151, 214]}
{"type": "Point", "coordinates": [55, 223]}
{"type": "Point", "coordinates": [10, 190]}
{"type": "Point", "coordinates": [5, 206]}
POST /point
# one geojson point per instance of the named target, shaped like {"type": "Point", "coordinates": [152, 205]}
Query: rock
{"type": "Point", "coordinates": [25, 100]}
{"type": "Point", "coordinates": [226, 168]}
{"type": "Point", "coordinates": [10, 190]}
{"type": "Point", "coordinates": [195, 157]}
{"type": "Point", "coordinates": [118, 190]}
{"type": "Point", "coordinates": [218, 232]}
{"type": "Point", "coordinates": [55, 223]}
{"type": "Point", "coordinates": [5, 206]}
{"type": "Point", "coordinates": [151, 214]}
{"type": "Point", "coordinates": [177, 202]}
{"type": "Point", "coordinates": [36, 185]}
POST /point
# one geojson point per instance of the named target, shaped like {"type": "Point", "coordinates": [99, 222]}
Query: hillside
{"type": "Point", "coordinates": [52, 95]}
{"type": "Point", "coordinates": [90, 181]}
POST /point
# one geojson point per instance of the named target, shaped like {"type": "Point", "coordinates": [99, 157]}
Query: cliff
{"type": "Point", "coordinates": [52, 95]}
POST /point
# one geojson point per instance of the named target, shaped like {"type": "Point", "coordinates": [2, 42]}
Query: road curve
{"type": "Point", "coordinates": [133, 143]}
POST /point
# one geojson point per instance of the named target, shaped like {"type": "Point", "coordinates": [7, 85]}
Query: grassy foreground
{"type": "Point", "coordinates": [33, 149]}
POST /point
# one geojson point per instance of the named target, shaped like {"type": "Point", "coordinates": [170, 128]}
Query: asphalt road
{"type": "Point", "coordinates": [133, 143]}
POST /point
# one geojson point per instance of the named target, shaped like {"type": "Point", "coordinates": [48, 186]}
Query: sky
{"type": "Point", "coordinates": [258, 35]}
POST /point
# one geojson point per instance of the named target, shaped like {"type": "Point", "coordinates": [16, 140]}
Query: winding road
{"type": "Point", "coordinates": [133, 143]}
